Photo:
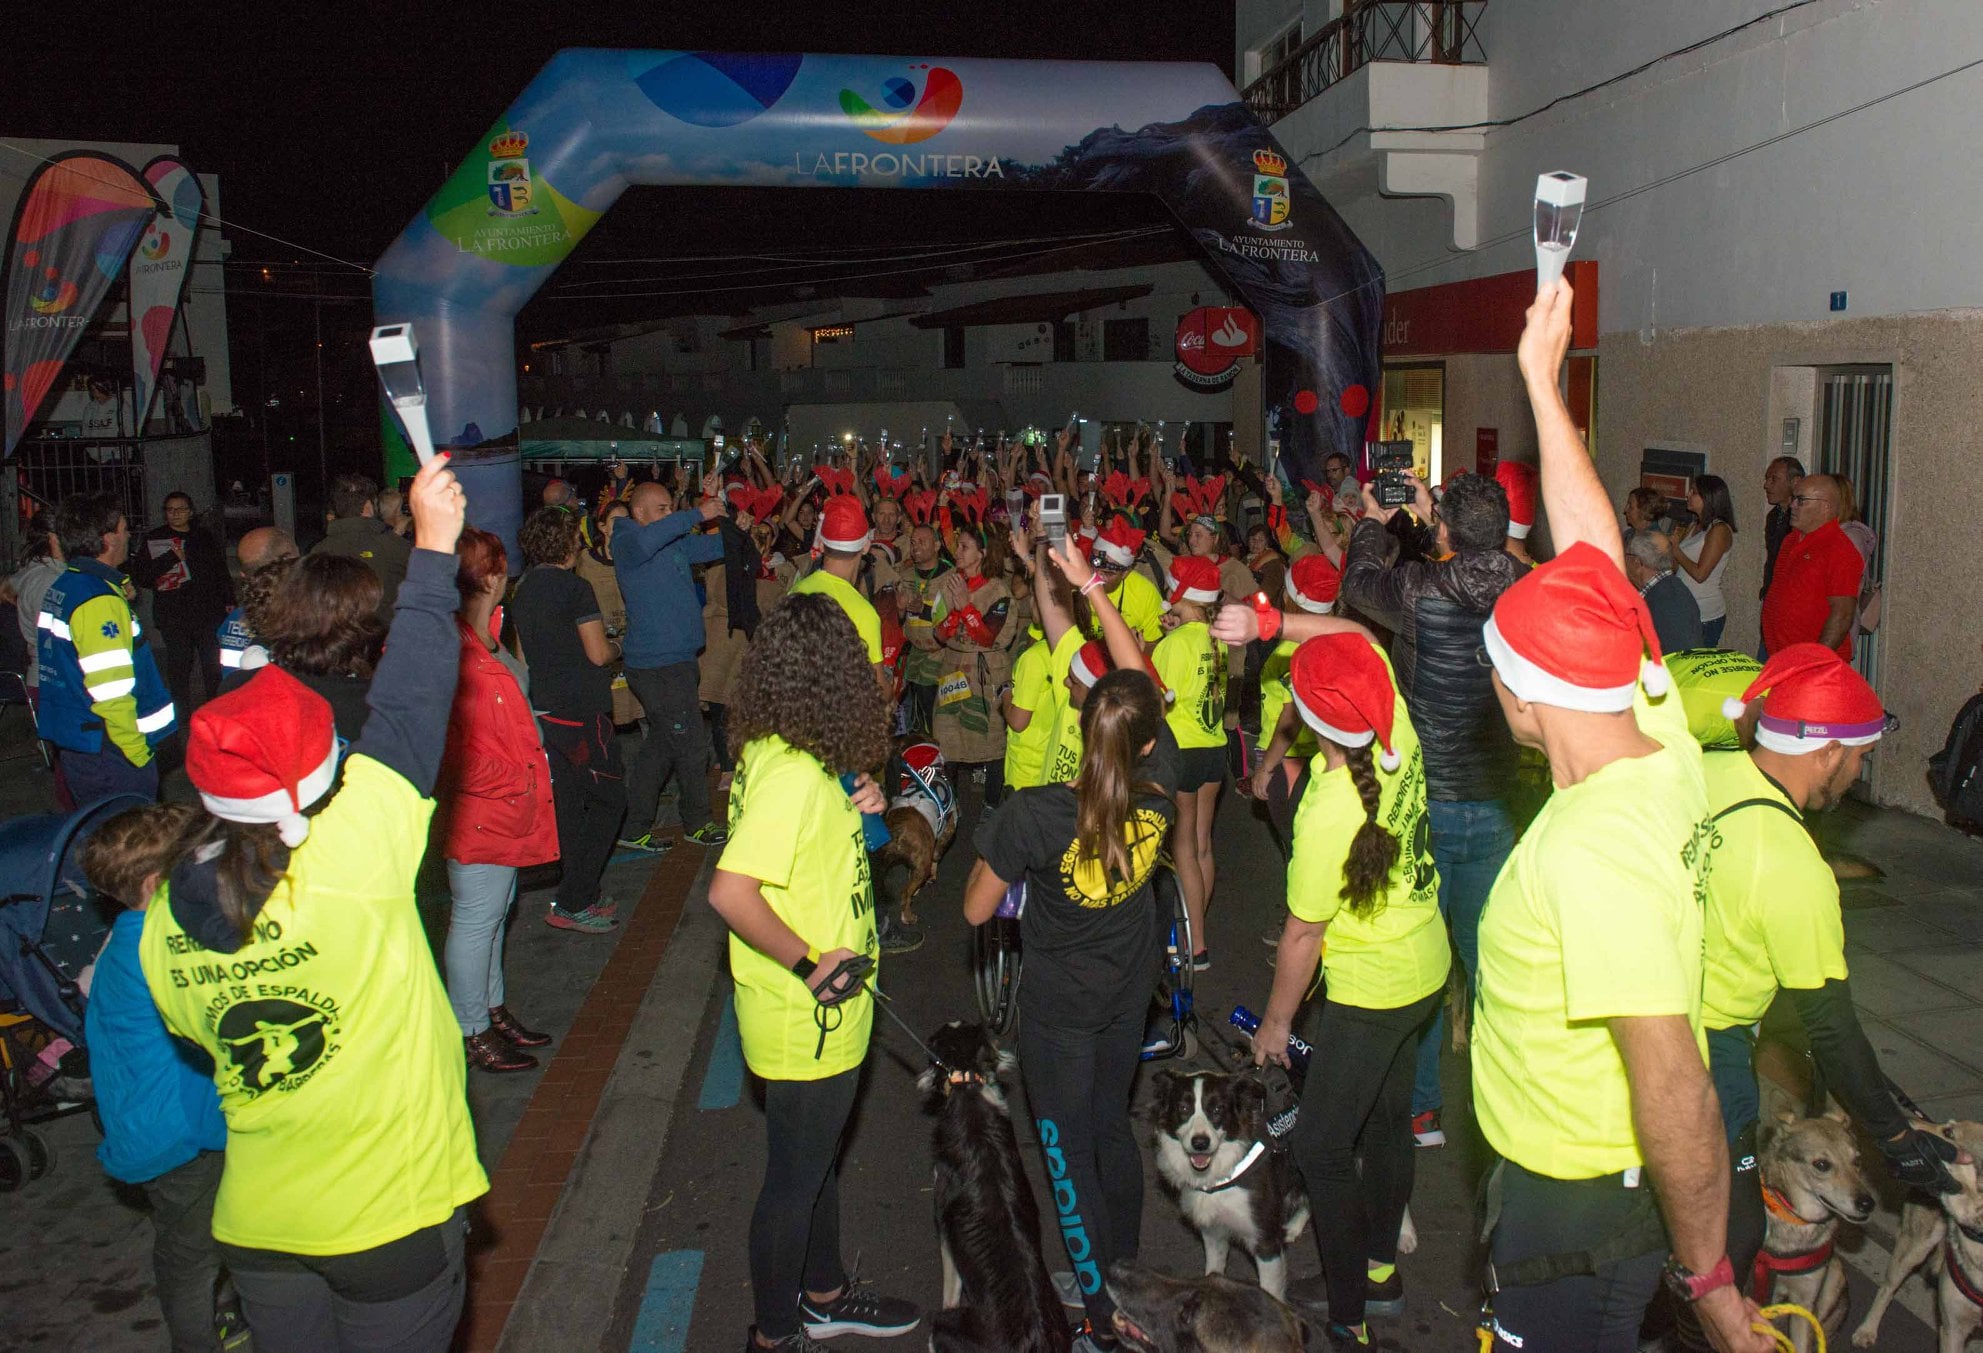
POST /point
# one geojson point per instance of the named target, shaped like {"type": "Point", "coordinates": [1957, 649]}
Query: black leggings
{"type": "Point", "coordinates": [795, 1228]}
{"type": "Point", "coordinates": [1078, 1085]}
{"type": "Point", "coordinates": [1356, 1112]}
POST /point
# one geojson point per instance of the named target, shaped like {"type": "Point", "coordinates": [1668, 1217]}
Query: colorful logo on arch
{"type": "Point", "coordinates": [905, 116]}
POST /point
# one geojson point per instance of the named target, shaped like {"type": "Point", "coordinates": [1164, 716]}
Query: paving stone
{"type": "Point", "coordinates": [1957, 966]}
{"type": "Point", "coordinates": [1922, 1073]}
{"type": "Point", "coordinates": [1883, 932]}
{"type": "Point", "coordinates": [1956, 1034]}
{"type": "Point", "coordinates": [1881, 986]}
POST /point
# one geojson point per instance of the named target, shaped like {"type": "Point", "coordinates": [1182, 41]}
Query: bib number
{"type": "Point", "coordinates": [952, 689]}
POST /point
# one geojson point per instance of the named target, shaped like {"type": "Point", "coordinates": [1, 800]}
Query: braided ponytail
{"type": "Point", "coordinates": [1374, 851]}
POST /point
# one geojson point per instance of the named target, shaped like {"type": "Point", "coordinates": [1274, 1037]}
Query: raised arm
{"type": "Point", "coordinates": [1571, 492]}
{"type": "Point", "coordinates": [1238, 623]}
{"type": "Point", "coordinates": [1125, 651]}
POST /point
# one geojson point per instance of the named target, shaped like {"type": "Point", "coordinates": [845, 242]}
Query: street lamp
{"type": "Point", "coordinates": [397, 357]}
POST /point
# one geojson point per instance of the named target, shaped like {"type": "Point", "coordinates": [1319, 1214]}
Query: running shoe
{"type": "Point", "coordinates": [1068, 1288]}
{"type": "Point", "coordinates": [1202, 961]}
{"type": "Point", "coordinates": [791, 1343]}
{"type": "Point", "coordinates": [858, 1310]}
{"type": "Point", "coordinates": [708, 834]}
{"type": "Point", "coordinates": [1346, 1336]}
{"type": "Point", "coordinates": [1426, 1130]}
{"type": "Point", "coordinates": [900, 939]}
{"type": "Point", "coordinates": [646, 842]}
{"type": "Point", "coordinates": [589, 921]}
{"type": "Point", "coordinates": [1386, 1298]}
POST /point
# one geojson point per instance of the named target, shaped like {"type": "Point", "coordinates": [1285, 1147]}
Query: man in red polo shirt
{"type": "Point", "coordinates": [1814, 591]}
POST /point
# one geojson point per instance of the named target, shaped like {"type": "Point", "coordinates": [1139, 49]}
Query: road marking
{"type": "Point", "coordinates": [663, 1323]}
{"type": "Point", "coordinates": [723, 1082]}
{"type": "Point", "coordinates": [1872, 1259]}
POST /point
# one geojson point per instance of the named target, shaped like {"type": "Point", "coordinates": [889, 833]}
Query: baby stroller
{"type": "Point", "coordinates": [51, 926]}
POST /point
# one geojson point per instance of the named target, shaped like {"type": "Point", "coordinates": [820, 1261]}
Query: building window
{"type": "Point", "coordinates": [1063, 341]}
{"type": "Point", "coordinates": [953, 348]}
{"type": "Point", "coordinates": [1415, 412]}
{"type": "Point", "coordinates": [1126, 340]}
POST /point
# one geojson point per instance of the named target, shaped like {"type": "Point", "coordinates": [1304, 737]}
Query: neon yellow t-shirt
{"type": "Point", "coordinates": [1193, 669]}
{"type": "Point", "coordinates": [1773, 917]}
{"type": "Point", "coordinates": [794, 830]}
{"type": "Point", "coordinates": [858, 608]}
{"type": "Point", "coordinates": [1597, 915]}
{"type": "Point", "coordinates": [1705, 677]}
{"type": "Point", "coordinates": [337, 1056]}
{"type": "Point", "coordinates": [1399, 952]}
{"type": "Point", "coordinates": [1032, 690]}
{"type": "Point", "coordinates": [1275, 695]}
{"type": "Point", "coordinates": [1063, 761]}
{"type": "Point", "coordinates": [1141, 604]}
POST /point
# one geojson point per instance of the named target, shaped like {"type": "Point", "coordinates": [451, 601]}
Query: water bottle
{"type": "Point", "coordinates": [1013, 905]}
{"type": "Point", "coordinates": [873, 829]}
{"type": "Point", "coordinates": [1249, 1023]}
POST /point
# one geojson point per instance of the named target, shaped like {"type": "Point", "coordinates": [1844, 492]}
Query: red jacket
{"type": "Point", "coordinates": [494, 791]}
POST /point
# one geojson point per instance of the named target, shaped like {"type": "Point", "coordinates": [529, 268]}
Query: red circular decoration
{"type": "Point", "coordinates": [1355, 401]}
{"type": "Point", "coordinates": [1305, 401]}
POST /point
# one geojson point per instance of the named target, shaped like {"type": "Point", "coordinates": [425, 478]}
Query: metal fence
{"type": "Point", "coordinates": [1444, 32]}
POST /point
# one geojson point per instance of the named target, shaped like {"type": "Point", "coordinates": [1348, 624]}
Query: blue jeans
{"type": "Point", "coordinates": [1470, 843]}
{"type": "Point", "coordinates": [1711, 631]}
{"type": "Point", "coordinates": [473, 955]}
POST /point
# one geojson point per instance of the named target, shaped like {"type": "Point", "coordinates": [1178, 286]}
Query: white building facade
{"type": "Point", "coordinates": [1783, 253]}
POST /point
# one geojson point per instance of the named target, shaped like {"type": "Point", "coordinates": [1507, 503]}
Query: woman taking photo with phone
{"type": "Point", "coordinates": [1087, 851]}
{"type": "Point", "coordinates": [1361, 875]}
{"type": "Point", "coordinates": [794, 887]}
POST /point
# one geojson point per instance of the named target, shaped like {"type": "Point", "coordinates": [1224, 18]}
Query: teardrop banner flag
{"type": "Point", "coordinates": [78, 222]}
{"type": "Point", "coordinates": [159, 273]}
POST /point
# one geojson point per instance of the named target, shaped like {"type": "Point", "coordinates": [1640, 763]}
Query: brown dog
{"type": "Point", "coordinates": [1156, 1313]}
{"type": "Point", "coordinates": [1811, 1181]}
{"type": "Point", "coordinates": [921, 819]}
{"type": "Point", "coordinates": [1949, 1240]}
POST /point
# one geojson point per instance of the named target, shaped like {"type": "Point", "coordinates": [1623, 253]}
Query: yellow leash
{"type": "Point", "coordinates": [1782, 1339]}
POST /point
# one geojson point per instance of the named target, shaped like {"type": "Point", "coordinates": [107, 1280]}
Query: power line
{"type": "Point", "coordinates": [205, 215]}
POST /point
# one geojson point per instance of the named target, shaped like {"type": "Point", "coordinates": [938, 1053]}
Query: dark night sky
{"type": "Point", "coordinates": [330, 125]}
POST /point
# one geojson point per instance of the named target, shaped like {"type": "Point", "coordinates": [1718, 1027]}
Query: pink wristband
{"type": "Point", "coordinates": [1091, 584]}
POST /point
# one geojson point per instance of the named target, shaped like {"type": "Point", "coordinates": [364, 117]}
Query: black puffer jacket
{"type": "Point", "coordinates": [1436, 611]}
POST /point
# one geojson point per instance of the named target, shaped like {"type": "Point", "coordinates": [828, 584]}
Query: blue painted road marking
{"type": "Point", "coordinates": [663, 1323]}
{"type": "Point", "coordinates": [723, 1082]}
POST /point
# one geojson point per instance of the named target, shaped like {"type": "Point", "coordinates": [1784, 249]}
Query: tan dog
{"type": "Point", "coordinates": [1156, 1313]}
{"type": "Point", "coordinates": [1948, 1239]}
{"type": "Point", "coordinates": [1811, 1181]}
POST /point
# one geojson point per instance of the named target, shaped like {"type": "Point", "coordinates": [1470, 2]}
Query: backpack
{"type": "Point", "coordinates": [1953, 772]}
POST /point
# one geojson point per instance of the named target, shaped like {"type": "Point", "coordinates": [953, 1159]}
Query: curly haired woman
{"type": "Point", "coordinates": [793, 886]}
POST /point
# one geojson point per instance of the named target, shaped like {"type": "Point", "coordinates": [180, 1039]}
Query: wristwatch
{"type": "Point", "coordinates": [1690, 1286]}
{"type": "Point", "coordinates": [806, 965]}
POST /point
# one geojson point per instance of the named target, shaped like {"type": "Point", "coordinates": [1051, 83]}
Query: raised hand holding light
{"type": "Point", "coordinates": [397, 357]}
{"type": "Point", "coordinates": [1559, 209]}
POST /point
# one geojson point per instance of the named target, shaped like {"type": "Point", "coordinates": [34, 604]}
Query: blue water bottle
{"type": "Point", "coordinates": [1249, 1023]}
{"type": "Point", "coordinates": [873, 829]}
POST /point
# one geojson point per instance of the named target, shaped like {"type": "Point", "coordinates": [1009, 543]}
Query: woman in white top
{"type": "Point", "coordinates": [1703, 556]}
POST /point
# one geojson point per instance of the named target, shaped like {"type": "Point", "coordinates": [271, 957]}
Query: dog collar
{"type": "Point", "coordinates": [1768, 1265]}
{"type": "Point", "coordinates": [964, 1078]}
{"type": "Point", "coordinates": [1246, 1162]}
{"type": "Point", "coordinates": [1780, 1208]}
{"type": "Point", "coordinates": [1963, 1282]}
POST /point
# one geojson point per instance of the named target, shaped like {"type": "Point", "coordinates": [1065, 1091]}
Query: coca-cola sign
{"type": "Point", "coordinates": [1210, 342]}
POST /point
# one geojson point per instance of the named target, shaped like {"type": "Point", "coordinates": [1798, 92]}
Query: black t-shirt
{"type": "Point", "coordinates": [1092, 944]}
{"type": "Point", "coordinates": [550, 604]}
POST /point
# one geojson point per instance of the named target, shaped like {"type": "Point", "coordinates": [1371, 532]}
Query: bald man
{"type": "Point", "coordinates": [1814, 590]}
{"type": "Point", "coordinates": [241, 651]}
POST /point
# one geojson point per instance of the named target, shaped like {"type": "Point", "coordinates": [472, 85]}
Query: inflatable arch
{"type": "Point", "coordinates": [593, 122]}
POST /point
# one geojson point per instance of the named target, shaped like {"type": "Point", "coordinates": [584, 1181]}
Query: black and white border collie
{"type": "Point", "coordinates": [996, 1290]}
{"type": "Point", "coordinates": [1232, 1185]}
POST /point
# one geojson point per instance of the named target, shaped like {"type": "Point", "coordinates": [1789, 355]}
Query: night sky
{"type": "Point", "coordinates": [330, 126]}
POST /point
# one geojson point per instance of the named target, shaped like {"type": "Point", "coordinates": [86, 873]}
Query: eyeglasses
{"type": "Point", "coordinates": [1807, 498]}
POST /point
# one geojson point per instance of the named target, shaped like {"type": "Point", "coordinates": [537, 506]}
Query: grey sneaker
{"type": "Point", "coordinates": [646, 842]}
{"type": "Point", "coordinates": [709, 834]}
{"type": "Point", "coordinates": [588, 920]}
{"type": "Point", "coordinates": [901, 939]}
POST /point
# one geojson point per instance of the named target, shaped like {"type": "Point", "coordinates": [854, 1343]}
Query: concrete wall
{"type": "Point", "coordinates": [1723, 390]}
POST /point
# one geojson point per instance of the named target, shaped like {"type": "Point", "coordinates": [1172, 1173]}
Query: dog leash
{"type": "Point", "coordinates": [887, 1007]}
{"type": "Point", "coordinates": [1783, 1340]}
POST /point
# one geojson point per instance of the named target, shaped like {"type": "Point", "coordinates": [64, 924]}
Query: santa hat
{"type": "Point", "coordinates": [1575, 634]}
{"type": "Point", "coordinates": [843, 525]}
{"type": "Point", "coordinates": [263, 752]}
{"type": "Point", "coordinates": [1811, 697]}
{"type": "Point", "coordinates": [1313, 583]}
{"type": "Point", "coordinates": [1518, 479]}
{"type": "Point", "coordinates": [1343, 692]}
{"type": "Point", "coordinates": [1119, 543]}
{"type": "Point", "coordinates": [1192, 578]}
{"type": "Point", "coordinates": [1091, 664]}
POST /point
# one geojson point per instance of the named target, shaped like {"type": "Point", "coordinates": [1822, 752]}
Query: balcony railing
{"type": "Point", "coordinates": [1442, 32]}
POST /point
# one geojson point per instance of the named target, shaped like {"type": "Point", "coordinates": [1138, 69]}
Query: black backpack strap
{"type": "Point", "coordinates": [1777, 804]}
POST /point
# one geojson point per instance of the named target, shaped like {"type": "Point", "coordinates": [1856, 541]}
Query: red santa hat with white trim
{"type": "Point", "coordinates": [1811, 698]}
{"type": "Point", "coordinates": [1192, 578]}
{"type": "Point", "coordinates": [1576, 635]}
{"type": "Point", "coordinates": [1343, 692]}
{"type": "Point", "coordinates": [1091, 663]}
{"type": "Point", "coordinates": [1517, 478]}
{"type": "Point", "coordinates": [263, 752]}
{"type": "Point", "coordinates": [843, 525]}
{"type": "Point", "coordinates": [1313, 583]}
{"type": "Point", "coordinates": [1118, 544]}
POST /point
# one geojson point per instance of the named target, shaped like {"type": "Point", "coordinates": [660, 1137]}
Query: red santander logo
{"type": "Point", "coordinates": [1210, 342]}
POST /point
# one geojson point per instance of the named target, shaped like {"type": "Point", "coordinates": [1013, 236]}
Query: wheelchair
{"type": "Point", "coordinates": [998, 960]}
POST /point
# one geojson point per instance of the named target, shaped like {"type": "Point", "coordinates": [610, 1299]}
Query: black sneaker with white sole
{"type": "Point", "coordinates": [791, 1343]}
{"type": "Point", "coordinates": [858, 1310]}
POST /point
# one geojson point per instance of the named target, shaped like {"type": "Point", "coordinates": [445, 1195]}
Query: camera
{"type": "Point", "coordinates": [1393, 462]}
